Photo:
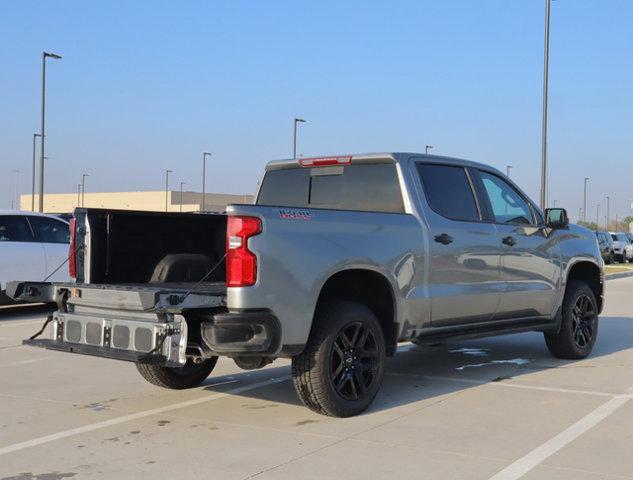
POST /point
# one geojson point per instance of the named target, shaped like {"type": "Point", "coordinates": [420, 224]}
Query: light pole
{"type": "Point", "coordinates": [606, 225]}
{"type": "Point", "coordinates": [83, 187]}
{"type": "Point", "coordinates": [508, 168]}
{"type": "Point", "coordinates": [45, 55]}
{"type": "Point", "coordinates": [427, 148]}
{"type": "Point", "coordinates": [78, 195]}
{"type": "Point", "coordinates": [555, 201]}
{"type": "Point", "coordinates": [598, 215]}
{"type": "Point", "coordinates": [35, 135]}
{"type": "Point", "coordinates": [15, 193]}
{"type": "Point", "coordinates": [204, 174]}
{"type": "Point", "coordinates": [167, 172]}
{"type": "Point", "coordinates": [294, 136]}
{"type": "Point", "coordinates": [584, 203]}
{"type": "Point", "coordinates": [548, 4]}
{"type": "Point", "coordinates": [181, 184]}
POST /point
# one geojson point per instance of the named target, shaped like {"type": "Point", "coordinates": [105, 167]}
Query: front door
{"type": "Point", "coordinates": [464, 252]}
{"type": "Point", "coordinates": [530, 266]}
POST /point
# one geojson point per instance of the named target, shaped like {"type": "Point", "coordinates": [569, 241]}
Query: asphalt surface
{"type": "Point", "coordinates": [480, 409]}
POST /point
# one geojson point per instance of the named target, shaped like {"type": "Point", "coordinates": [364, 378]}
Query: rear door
{"type": "Point", "coordinates": [54, 236]}
{"type": "Point", "coordinates": [530, 266]}
{"type": "Point", "coordinates": [21, 258]}
{"type": "Point", "coordinates": [464, 251]}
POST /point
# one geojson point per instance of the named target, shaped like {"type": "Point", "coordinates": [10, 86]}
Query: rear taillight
{"type": "Point", "coordinates": [241, 263]}
{"type": "Point", "coordinates": [72, 258]}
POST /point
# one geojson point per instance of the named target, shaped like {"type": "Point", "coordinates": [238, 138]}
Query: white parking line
{"type": "Point", "coordinates": [507, 384]}
{"type": "Point", "coordinates": [135, 416]}
{"type": "Point", "coordinates": [526, 463]}
{"type": "Point", "coordinates": [23, 362]}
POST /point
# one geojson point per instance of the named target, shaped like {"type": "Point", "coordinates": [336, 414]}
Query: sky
{"type": "Point", "coordinates": [146, 86]}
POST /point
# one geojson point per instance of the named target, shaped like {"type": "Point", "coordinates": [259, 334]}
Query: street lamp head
{"type": "Point", "coordinates": [300, 120]}
{"type": "Point", "coordinates": [52, 55]}
{"type": "Point", "coordinates": [204, 154]}
{"type": "Point", "coordinates": [169, 171]}
{"type": "Point", "coordinates": [35, 135]}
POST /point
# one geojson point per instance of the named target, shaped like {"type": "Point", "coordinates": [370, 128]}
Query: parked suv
{"type": "Point", "coordinates": [622, 246]}
{"type": "Point", "coordinates": [339, 260]}
{"type": "Point", "coordinates": [605, 243]}
{"type": "Point", "coordinates": [32, 245]}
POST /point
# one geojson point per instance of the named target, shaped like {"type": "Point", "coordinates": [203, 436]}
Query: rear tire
{"type": "Point", "coordinates": [188, 376]}
{"type": "Point", "coordinates": [341, 369]}
{"type": "Point", "coordinates": [579, 325]}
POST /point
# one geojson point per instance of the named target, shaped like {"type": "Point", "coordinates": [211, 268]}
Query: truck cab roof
{"type": "Point", "coordinates": [395, 157]}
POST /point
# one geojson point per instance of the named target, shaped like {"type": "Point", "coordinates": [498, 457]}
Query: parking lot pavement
{"type": "Point", "coordinates": [488, 408]}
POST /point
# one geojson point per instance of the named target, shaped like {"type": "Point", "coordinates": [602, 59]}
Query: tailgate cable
{"type": "Point", "coordinates": [49, 319]}
{"type": "Point", "coordinates": [159, 345]}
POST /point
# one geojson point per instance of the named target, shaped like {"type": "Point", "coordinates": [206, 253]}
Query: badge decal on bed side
{"type": "Point", "coordinates": [287, 214]}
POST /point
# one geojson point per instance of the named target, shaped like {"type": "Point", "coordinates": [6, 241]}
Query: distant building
{"type": "Point", "coordinates": [148, 201]}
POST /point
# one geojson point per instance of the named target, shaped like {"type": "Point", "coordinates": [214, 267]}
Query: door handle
{"type": "Point", "coordinates": [444, 239]}
{"type": "Point", "coordinates": [509, 240]}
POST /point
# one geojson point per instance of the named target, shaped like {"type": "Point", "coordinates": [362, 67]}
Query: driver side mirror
{"type": "Point", "coordinates": [556, 217]}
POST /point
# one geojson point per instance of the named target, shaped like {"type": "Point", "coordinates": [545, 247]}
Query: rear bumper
{"type": "Point", "coordinates": [255, 332]}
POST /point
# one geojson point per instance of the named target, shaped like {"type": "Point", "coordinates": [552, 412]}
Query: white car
{"type": "Point", "coordinates": [32, 246]}
{"type": "Point", "coordinates": [622, 246]}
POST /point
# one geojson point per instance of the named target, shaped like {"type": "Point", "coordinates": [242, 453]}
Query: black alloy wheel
{"type": "Point", "coordinates": [354, 361]}
{"type": "Point", "coordinates": [583, 316]}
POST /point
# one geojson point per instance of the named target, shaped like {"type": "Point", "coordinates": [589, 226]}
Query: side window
{"type": "Point", "coordinates": [48, 230]}
{"type": "Point", "coordinates": [14, 228]}
{"type": "Point", "coordinates": [508, 206]}
{"type": "Point", "coordinates": [448, 191]}
{"type": "Point", "coordinates": [614, 237]}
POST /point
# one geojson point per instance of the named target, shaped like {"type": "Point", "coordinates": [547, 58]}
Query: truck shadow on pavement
{"type": "Point", "coordinates": [417, 373]}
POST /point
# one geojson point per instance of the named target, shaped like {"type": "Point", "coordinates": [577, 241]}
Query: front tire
{"type": "Point", "coordinates": [188, 376]}
{"type": "Point", "coordinates": [341, 369]}
{"type": "Point", "coordinates": [579, 325]}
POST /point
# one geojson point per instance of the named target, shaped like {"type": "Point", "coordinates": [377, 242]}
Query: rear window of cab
{"type": "Point", "coordinates": [365, 187]}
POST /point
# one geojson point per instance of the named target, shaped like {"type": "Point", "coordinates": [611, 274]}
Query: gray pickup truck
{"type": "Point", "coordinates": [339, 259]}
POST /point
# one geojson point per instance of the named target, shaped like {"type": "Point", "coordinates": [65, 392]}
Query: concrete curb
{"type": "Point", "coordinates": [615, 276]}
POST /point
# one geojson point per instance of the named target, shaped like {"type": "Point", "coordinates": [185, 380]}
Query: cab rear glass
{"type": "Point", "coordinates": [364, 187]}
